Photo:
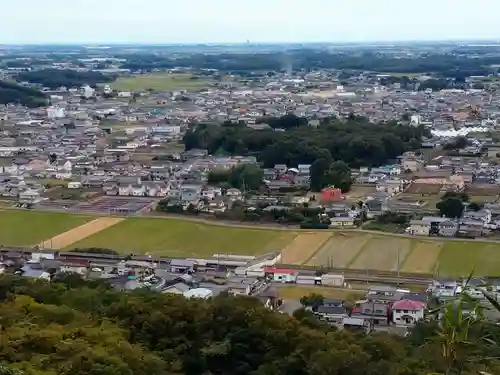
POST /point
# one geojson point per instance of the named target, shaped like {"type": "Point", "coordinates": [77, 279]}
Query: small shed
{"type": "Point", "coordinates": [281, 275]}
{"type": "Point", "coordinates": [203, 293]}
{"type": "Point", "coordinates": [74, 185]}
{"type": "Point", "coordinates": [181, 265]}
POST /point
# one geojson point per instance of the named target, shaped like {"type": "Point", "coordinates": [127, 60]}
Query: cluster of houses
{"type": "Point", "coordinates": [472, 224]}
{"type": "Point", "coordinates": [384, 306]}
{"type": "Point", "coordinates": [381, 306]}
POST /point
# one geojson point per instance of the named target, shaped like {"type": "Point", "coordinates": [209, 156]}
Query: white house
{"type": "Point", "coordinates": [392, 187]}
{"type": "Point", "coordinates": [74, 185]}
{"type": "Point", "coordinates": [407, 312]}
{"type": "Point", "coordinates": [419, 228]}
{"type": "Point", "coordinates": [55, 112]}
{"type": "Point", "coordinates": [87, 91]}
{"type": "Point", "coordinates": [81, 270]}
{"type": "Point", "coordinates": [416, 119]}
{"type": "Point", "coordinates": [341, 222]}
{"type": "Point", "coordinates": [281, 275]}
{"type": "Point", "coordinates": [29, 196]}
{"type": "Point", "coordinates": [124, 94]}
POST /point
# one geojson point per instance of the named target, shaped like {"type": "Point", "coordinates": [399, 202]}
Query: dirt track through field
{"type": "Point", "coordinates": [79, 233]}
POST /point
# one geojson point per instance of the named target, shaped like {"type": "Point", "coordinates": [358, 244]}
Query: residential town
{"type": "Point", "coordinates": [89, 152]}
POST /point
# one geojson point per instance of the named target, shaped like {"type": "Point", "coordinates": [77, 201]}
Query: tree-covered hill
{"type": "Point", "coordinates": [11, 93]}
{"type": "Point", "coordinates": [355, 141]}
{"type": "Point", "coordinates": [75, 327]}
{"type": "Point", "coordinates": [55, 78]}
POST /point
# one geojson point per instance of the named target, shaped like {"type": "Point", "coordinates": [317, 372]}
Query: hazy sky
{"type": "Point", "coordinates": [233, 21]}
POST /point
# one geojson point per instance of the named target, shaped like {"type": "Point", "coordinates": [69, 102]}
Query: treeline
{"type": "Point", "coordinates": [72, 327]}
{"type": "Point", "coordinates": [11, 93]}
{"type": "Point", "coordinates": [448, 65]}
{"type": "Point", "coordinates": [55, 78]}
{"type": "Point", "coordinates": [356, 141]}
{"type": "Point", "coordinates": [435, 84]}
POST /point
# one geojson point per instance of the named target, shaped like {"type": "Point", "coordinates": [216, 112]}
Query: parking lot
{"type": "Point", "coordinates": [102, 205]}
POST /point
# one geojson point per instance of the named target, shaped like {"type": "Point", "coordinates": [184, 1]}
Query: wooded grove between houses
{"type": "Point", "coordinates": [355, 141]}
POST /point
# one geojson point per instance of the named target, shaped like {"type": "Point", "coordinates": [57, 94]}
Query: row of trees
{"type": "Point", "coordinates": [74, 327]}
{"type": "Point", "coordinates": [245, 177]}
{"type": "Point", "coordinates": [54, 78]}
{"type": "Point", "coordinates": [11, 93]}
{"type": "Point", "coordinates": [323, 172]}
{"type": "Point", "coordinates": [356, 141]}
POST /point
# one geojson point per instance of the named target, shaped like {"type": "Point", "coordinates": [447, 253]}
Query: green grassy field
{"type": "Point", "coordinates": [461, 258]}
{"type": "Point", "coordinates": [28, 228]}
{"type": "Point", "coordinates": [160, 82]}
{"type": "Point", "coordinates": [181, 238]}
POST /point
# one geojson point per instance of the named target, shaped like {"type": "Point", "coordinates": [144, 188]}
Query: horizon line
{"type": "Point", "coordinates": [90, 44]}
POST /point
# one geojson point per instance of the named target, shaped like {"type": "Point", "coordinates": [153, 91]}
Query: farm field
{"type": "Point", "coordinates": [160, 82]}
{"type": "Point", "coordinates": [461, 258]}
{"type": "Point", "coordinates": [303, 247]}
{"type": "Point", "coordinates": [80, 232]}
{"type": "Point", "coordinates": [423, 258]}
{"type": "Point", "coordinates": [358, 192]}
{"type": "Point", "coordinates": [357, 250]}
{"type": "Point", "coordinates": [484, 190]}
{"type": "Point", "coordinates": [382, 252]}
{"type": "Point", "coordinates": [28, 228]}
{"type": "Point", "coordinates": [339, 250]}
{"type": "Point", "coordinates": [182, 238]}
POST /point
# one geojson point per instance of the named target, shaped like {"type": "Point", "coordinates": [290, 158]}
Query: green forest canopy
{"type": "Point", "coordinates": [55, 78]}
{"type": "Point", "coordinates": [72, 327]}
{"type": "Point", "coordinates": [355, 141]}
{"type": "Point", "coordinates": [11, 93]}
{"type": "Point", "coordinates": [455, 64]}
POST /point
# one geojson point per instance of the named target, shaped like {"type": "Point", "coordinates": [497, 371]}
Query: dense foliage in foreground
{"type": "Point", "coordinates": [74, 327]}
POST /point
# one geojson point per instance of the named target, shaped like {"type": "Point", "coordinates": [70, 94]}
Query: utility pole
{"type": "Point", "coordinates": [398, 264]}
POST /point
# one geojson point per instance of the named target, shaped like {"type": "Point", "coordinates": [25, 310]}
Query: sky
{"type": "Point", "coordinates": [236, 21]}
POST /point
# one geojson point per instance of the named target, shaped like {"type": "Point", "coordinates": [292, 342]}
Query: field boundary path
{"type": "Point", "coordinates": [79, 233]}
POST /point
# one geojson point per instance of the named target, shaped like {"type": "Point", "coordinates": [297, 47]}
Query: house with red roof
{"type": "Point", "coordinates": [407, 312]}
